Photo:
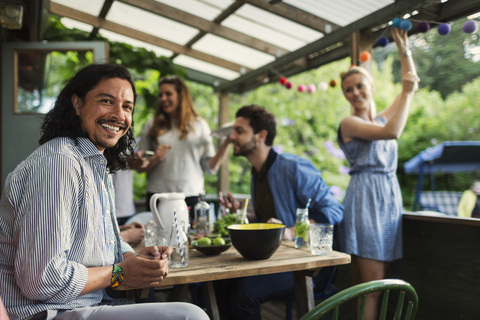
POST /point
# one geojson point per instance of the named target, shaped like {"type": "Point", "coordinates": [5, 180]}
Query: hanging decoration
{"type": "Point", "coordinates": [469, 26]}
{"type": "Point", "coordinates": [405, 25]}
{"type": "Point", "coordinates": [322, 86]}
{"type": "Point", "coordinates": [443, 29]}
{"type": "Point", "coordinates": [396, 22]}
{"type": "Point", "coordinates": [365, 56]}
{"type": "Point", "coordinates": [423, 27]}
{"type": "Point", "coordinates": [383, 41]}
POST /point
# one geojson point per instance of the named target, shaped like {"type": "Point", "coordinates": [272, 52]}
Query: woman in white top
{"type": "Point", "coordinates": [182, 143]}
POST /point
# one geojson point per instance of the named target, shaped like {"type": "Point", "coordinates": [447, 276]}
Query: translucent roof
{"type": "Point", "coordinates": [233, 42]}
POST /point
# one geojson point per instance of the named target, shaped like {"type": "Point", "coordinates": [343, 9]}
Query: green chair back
{"type": "Point", "coordinates": [332, 305]}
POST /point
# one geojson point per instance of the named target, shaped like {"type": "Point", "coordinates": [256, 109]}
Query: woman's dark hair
{"type": "Point", "coordinates": [260, 119]}
{"type": "Point", "coordinates": [62, 121]}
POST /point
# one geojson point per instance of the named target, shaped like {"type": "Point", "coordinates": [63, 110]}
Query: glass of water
{"type": "Point", "coordinates": [154, 236]}
{"type": "Point", "coordinates": [321, 238]}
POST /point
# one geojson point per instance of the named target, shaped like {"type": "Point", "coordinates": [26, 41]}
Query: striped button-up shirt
{"type": "Point", "coordinates": [56, 220]}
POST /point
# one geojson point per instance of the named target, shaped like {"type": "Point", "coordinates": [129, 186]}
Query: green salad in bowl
{"type": "Point", "coordinates": [220, 226]}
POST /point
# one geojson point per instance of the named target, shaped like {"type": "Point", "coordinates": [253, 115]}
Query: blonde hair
{"type": "Point", "coordinates": [186, 112]}
{"type": "Point", "coordinates": [368, 76]}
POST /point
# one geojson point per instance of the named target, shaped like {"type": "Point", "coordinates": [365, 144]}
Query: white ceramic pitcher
{"type": "Point", "coordinates": [164, 204]}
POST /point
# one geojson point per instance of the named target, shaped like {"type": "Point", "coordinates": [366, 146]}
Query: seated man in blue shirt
{"type": "Point", "coordinates": [60, 242]}
{"type": "Point", "coordinates": [280, 184]}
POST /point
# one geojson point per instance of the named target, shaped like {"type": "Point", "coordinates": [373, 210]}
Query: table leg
{"type": "Point", "coordinates": [210, 300]}
{"type": "Point", "coordinates": [303, 292]}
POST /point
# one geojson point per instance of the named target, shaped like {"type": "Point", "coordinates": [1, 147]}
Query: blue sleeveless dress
{"type": "Point", "coordinates": [372, 223]}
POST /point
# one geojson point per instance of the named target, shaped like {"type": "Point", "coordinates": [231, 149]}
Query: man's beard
{"type": "Point", "coordinates": [246, 149]}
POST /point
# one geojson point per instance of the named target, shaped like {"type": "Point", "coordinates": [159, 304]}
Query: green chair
{"type": "Point", "coordinates": [332, 304]}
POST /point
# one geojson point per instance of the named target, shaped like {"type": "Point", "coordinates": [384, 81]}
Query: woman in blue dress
{"type": "Point", "coordinates": [371, 229]}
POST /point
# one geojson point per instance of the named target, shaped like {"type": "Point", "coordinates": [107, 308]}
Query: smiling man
{"type": "Point", "coordinates": [60, 243]}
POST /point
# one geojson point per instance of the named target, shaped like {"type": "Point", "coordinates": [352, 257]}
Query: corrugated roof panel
{"type": "Point", "coordinates": [341, 12]}
{"type": "Point", "coordinates": [208, 11]}
{"type": "Point", "coordinates": [135, 43]}
{"type": "Point", "coordinates": [232, 51]}
{"type": "Point", "coordinates": [74, 24]}
{"type": "Point", "coordinates": [271, 28]}
{"type": "Point", "coordinates": [205, 67]}
{"type": "Point", "coordinates": [150, 23]}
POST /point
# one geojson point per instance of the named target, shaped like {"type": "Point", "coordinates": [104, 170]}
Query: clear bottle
{"type": "Point", "coordinates": [220, 211]}
{"type": "Point", "coordinates": [202, 209]}
{"type": "Point", "coordinates": [302, 226]}
{"type": "Point", "coordinates": [241, 217]}
{"type": "Point", "coordinates": [179, 243]}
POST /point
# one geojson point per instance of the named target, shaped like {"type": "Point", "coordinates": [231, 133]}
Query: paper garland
{"type": "Point", "coordinates": [469, 26]}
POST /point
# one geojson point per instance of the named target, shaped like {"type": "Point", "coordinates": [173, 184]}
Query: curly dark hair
{"type": "Point", "coordinates": [260, 119]}
{"type": "Point", "coordinates": [62, 121]}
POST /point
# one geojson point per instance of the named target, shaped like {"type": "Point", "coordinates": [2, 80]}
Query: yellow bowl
{"type": "Point", "coordinates": [256, 241]}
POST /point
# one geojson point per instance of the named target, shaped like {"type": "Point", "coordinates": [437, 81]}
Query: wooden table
{"type": "Point", "coordinates": [230, 264]}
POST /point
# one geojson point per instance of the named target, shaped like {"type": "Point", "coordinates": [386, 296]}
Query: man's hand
{"type": "Point", "coordinates": [147, 268]}
{"type": "Point", "coordinates": [132, 233]}
{"type": "Point", "coordinates": [230, 202]}
{"type": "Point", "coordinates": [289, 232]}
{"type": "Point", "coordinates": [138, 161]}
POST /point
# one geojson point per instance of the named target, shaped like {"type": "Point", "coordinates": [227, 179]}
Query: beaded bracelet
{"type": "Point", "coordinates": [117, 276]}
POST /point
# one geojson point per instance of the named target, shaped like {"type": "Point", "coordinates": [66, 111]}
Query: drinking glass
{"type": "Point", "coordinates": [321, 238]}
{"type": "Point", "coordinates": [154, 236]}
{"type": "Point", "coordinates": [179, 244]}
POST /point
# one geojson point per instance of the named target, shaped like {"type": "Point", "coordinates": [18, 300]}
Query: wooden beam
{"type": "Point", "coordinates": [361, 41]}
{"type": "Point", "coordinates": [223, 117]}
{"type": "Point", "coordinates": [97, 22]}
{"type": "Point", "coordinates": [297, 15]}
{"type": "Point", "coordinates": [206, 26]}
{"type": "Point", "coordinates": [103, 13]}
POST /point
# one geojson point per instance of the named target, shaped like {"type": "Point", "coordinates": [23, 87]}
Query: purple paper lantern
{"type": "Point", "coordinates": [423, 27]}
{"type": "Point", "coordinates": [383, 41]}
{"type": "Point", "coordinates": [444, 29]}
{"type": "Point", "coordinates": [405, 25]}
{"type": "Point", "coordinates": [469, 26]}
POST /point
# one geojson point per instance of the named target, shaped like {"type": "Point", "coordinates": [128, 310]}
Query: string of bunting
{"type": "Point", "coordinates": [443, 29]}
